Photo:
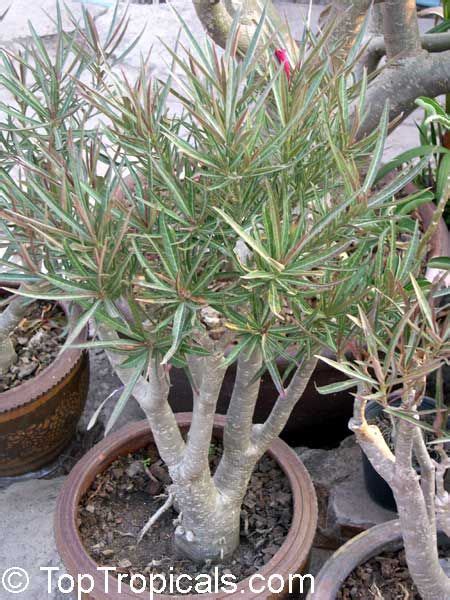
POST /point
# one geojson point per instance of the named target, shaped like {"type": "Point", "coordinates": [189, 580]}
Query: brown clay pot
{"type": "Point", "coordinates": [386, 537]}
{"type": "Point", "coordinates": [291, 558]}
{"type": "Point", "coordinates": [38, 418]}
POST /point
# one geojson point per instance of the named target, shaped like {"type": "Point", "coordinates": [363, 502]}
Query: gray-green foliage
{"type": "Point", "coordinates": [251, 201]}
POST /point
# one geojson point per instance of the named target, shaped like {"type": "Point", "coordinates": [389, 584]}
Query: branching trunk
{"type": "Point", "coordinates": [9, 320]}
{"type": "Point", "coordinates": [263, 435]}
{"type": "Point", "coordinates": [209, 507]}
{"type": "Point", "coordinates": [401, 83]}
{"type": "Point", "coordinates": [209, 523]}
{"type": "Point", "coordinates": [419, 533]}
{"type": "Point", "coordinates": [217, 18]}
{"type": "Point", "coordinates": [348, 18]}
{"type": "Point", "coordinates": [413, 495]}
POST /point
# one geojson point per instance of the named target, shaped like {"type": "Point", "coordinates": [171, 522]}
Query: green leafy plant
{"type": "Point", "coordinates": [435, 131]}
{"type": "Point", "coordinates": [240, 230]}
{"type": "Point", "coordinates": [433, 180]}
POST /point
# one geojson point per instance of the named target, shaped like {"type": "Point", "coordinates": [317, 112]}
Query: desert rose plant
{"type": "Point", "coordinates": [395, 364]}
{"type": "Point", "coordinates": [238, 230]}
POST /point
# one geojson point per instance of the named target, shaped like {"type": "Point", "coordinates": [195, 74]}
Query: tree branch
{"type": "Point", "coordinates": [427, 474]}
{"type": "Point", "coordinates": [152, 397]}
{"type": "Point", "coordinates": [217, 17]}
{"type": "Point", "coordinates": [401, 28]}
{"type": "Point", "coordinates": [239, 458]}
{"type": "Point", "coordinates": [442, 496]}
{"type": "Point", "coordinates": [349, 18]}
{"type": "Point", "coordinates": [419, 535]}
{"type": "Point", "coordinates": [432, 42]}
{"type": "Point", "coordinates": [371, 439]}
{"type": "Point", "coordinates": [242, 404]}
{"type": "Point", "coordinates": [196, 458]}
{"type": "Point", "coordinates": [264, 434]}
{"type": "Point", "coordinates": [402, 82]}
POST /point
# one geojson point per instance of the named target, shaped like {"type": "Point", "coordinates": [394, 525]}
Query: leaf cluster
{"type": "Point", "coordinates": [255, 200]}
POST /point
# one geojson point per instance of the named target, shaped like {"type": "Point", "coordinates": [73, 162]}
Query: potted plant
{"type": "Point", "coordinates": [43, 390]}
{"type": "Point", "coordinates": [399, 348]}
{"type": "Point", "coordinates": [247, 234]}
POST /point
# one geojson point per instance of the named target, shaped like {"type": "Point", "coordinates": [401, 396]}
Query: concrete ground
{"type": "Point", "coordinates": [26, 508]}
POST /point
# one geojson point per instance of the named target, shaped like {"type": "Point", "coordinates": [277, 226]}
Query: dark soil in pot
{"type": "Point", "coordinates": [384, 577]}
{"type": "Point", "coordinates": [121, 499]}
{"type": "Point", "coordinates": [44, 395]}
{"type": "Point", "coordinates": [291, 558]}
{"type": "Point", "coordinates": [37, 341]}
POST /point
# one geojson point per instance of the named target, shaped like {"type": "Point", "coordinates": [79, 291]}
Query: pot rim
{"type": "Point", "coordinates": [53, 376]}
{"type": "Point", "coordinates": [293, 552]}
{"type": "Point", "coordinates": [353, 553]}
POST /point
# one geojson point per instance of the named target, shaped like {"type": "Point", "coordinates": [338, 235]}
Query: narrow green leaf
{"type": "Point", "coordinates": [127, 391]}
{"type": "Point", "coordinates": [440, 262]}
{"type": "Point", "coordinates": [93, 419]}
{"type": "Point", "coordinates": [423, 302]}
{"type": "Point", "coordinates": [249, 240]}
{"type": "Point", "coordinates": [378, 151]}
{"type": "Point", "coordinates": [179, 321]}
{"type": "Point", "coordinates": [339, 386]}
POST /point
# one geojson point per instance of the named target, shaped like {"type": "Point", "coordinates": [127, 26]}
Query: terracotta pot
{"type": "Point", "coordinates": [38, 418]}
{"type": "Point", "coordinates": [291, 558]}
{"type": "Point", "coordinates": [386, 537]}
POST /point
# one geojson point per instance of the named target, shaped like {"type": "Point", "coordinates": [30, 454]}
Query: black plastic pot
{"type": "Point", "coordinates": [378, 489]}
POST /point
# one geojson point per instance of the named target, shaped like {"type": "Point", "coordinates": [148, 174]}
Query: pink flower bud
{"type": "Point", "coordinates": [283, 59]}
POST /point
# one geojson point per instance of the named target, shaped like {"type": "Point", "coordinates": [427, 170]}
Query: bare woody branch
{"type": "Point", "coordinates": [402, 82]}
{"type": "Point", "coordinates": [418, 534]}
{"type": "Point", "coordinates": [196, 457]}
{"type": "Point", "coordinates": [371, 439]}
{"type": "Point", "coordinates": [264, 434]}
{"type": "Point", "coordinates": [217, 18]}
{"type": "Point", "coordinates": [401, 28]}
{"type": "Point", "coordinates": [152, 397]}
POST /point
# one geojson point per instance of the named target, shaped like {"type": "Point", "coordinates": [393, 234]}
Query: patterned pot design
{"type": "Point", "coordinates": [38, 419]}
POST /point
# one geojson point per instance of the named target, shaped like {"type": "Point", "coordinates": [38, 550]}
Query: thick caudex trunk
{"type": "Point", "coordinates": [208, 523]}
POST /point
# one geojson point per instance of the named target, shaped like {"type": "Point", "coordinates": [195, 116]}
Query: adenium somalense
{"type": "Point", "coordinates": [238, 230]}
{"type": "Point", "coordinates": [394, 364]}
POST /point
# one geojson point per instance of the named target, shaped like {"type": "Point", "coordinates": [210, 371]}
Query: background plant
{"type": "Point", "coordinates": [48, 121]}
{"type": "Point", "coordinates": [393, 359]}
{"type": "Point", "coordinates": [241, 230]}
{"type": "Point", "coordinates": [416, 65]}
